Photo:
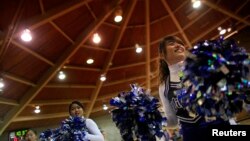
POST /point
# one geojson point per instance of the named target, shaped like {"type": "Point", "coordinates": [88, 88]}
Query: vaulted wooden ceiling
{"type": "Point", "coordinates": [62, 31]}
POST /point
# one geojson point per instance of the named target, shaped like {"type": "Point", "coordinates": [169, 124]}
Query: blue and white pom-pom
{"type": "Point", "coordinates": [217, 71]}
{"type": "Point", "coordinates": [137, 115]}
{"type": "Point", "coordinates": [72, 129]}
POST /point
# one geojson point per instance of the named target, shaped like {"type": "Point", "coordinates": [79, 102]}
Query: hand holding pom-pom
{"type": "Point", "coordinates": [137, 115]}
{"type": "Point", "coordinates": [218, 72]}
{"type": "Point", "coordinates": [73, 128]}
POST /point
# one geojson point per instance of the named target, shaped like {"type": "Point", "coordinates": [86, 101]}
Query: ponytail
{"type": "Point", "coordinates": [163, 70]}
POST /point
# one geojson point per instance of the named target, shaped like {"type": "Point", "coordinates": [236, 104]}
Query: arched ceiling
{"type": "Point", "coordinates": [62, 31]}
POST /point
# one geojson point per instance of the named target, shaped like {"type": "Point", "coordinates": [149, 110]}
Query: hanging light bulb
{"type": "Point", "coordinates": [103, 77]}
{"type": "Point", "coordinates": [26, 35]}
{"type": "Point", "coordinates": [90, 61]}
{"type": "Point", "coordinates": [138, 48]}
{"type": "Point", "coordinates": [118, 15]}
{"type": "Point", "coordinates": [96, 38]}
{"type": "Point", "coordinates": [61, 75]}
{"type": "Point", "coordinates": [1, 84]}
{"type": "Point", "coordinates": [223, 31]}
{"type": "Point", "coordinates": [196, 3]}
{"type": "Point", "coordinates": [37, 109]}
{"type": "Point", "coordinates": [229, 29]}
{"type": "Point", "coordinates": [105, 107]}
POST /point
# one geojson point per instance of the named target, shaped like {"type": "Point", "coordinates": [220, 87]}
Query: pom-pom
{"type": "Point", "coordinates": [137, 115]}
{"type": "Point", "coordinates": [72, 129]}
{"type": "Point", "coordinates": [217, 71]}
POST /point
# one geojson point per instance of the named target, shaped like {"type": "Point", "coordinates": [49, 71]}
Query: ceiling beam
{"type": "Point", "coordinates": [48, 116]}
{"type": "Point", "coordinates": [81, 68]}
{"type": "Point", "coordinates": [127, 66]}
{"type": "Point", "coordinates": [176, 22]}
{"type": "Point", "coordinates": [55, 102]}
{"type": "Point", "coordinates": [116, 42]}
{"type": "Point", "coordinates": [239, 28]}
{"type": "Point", "coordinates": [235, 31]}
{"type": "Point", "coordinates": [210, 29]}
{"type": "Point", "coordinates": [18, 79]}
{"type": "Point", "coordinates": [55, 13]}
{"type": "Point", "coordinates": [8, 33]}
{"type": "Point", "coordinates": [147, 44]}
{"type": "Point", "coordinates": [124, 80]}
{"type": "Point", "coordinates": [196, 19]}
{"type": "Point", "coordinates": [61, 32]}
{"type": "Point", "coordinates": [70, 51]}
{"type": "Point", "coordinates": [59, 115]}
{"type": "Point", "coordinates": [40, 117]}
{"type": "Point", "coordinates": [51, 15]}
{"type": "Point", "coordinates": [55, 85]}
{"type": "Point", "coordinates": [91, 12]}
{"type": "Point", "coordinates": [38, 56]}
{"type": "Point", "coordinates": [159, 19]}
{"type": "Point", "coordinates": [99, 48]}
{"type": "Point", "coordinates": [70, 86]}
{"type": "Point", "coordinates": [226, 12]}
{"type": "Point", "coordinates": [112, 68]}
{"type": "Point", "coordinates": [111, 25]}
{"type": "Point", "coordinates": [107, 96]}
{"type": "Point", "coordinates": [41, 7]}
{"type": "Point", "coordinates": [49, 85]}
{"type": "Point", "coordinates": [7, 101]}
{"type": "Point", "coordinates": [40, 20]}
{"type": "Point", "coordinates": [218, 24]}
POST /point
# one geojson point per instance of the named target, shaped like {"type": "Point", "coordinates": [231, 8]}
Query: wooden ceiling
{"type": "Point", "coordinates": [62, 31]}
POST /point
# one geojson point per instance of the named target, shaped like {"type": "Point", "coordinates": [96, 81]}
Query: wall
{"type": "Point", "coordinates": [110, 130]}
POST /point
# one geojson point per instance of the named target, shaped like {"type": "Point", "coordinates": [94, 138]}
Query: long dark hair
{"type": "Point", "coordinates": [163, 66]}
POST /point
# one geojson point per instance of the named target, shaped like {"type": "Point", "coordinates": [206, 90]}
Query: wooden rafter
{"type": "Point", "coordinates": [96, 48]}
{"type": "Point", "coordinates": [70, 86]}
{"type": "Point", "coordinates": [176, 22]}
{"type": "Point", "coordinates": [8, 101]}
{"type": "Point", "coordinates": [48, 116]}
{"type": "Point", "coordinates": [41, 7]}
{"type": "Point", "coordinates": [32, 53]}
{"type": "Point", "coordinates": [125, 80]}
{"type": "Point", "coordinates": [5, 41]}
{"type": "Point", "coordinates": [18, 79]}
{"type": "Point", "coordinates": [209, 30]}
{"type": "Point", "coordinates": [55, 102]}
{"type": "Point", "coordinates": [81, 68]}
{"type": "Point", "coordinates": [91, 12]}
{"type": "Point", "coordinates": [58, 115]}
{"type": "Point", "coordinates": [27, 97]}
{"type": "Point", "coordinates": [233, 32]}
{"type": "Point", "coordinates": [147, 44]}
{"type": "Point", "coordinates": [226, 12]}
{"type": "Point", "coordinates": [55, 13]}
{"type": "Point", "coordinates": [127, 66]}
{"type": "Point", "coordinates": [218, 24]}
{"type": "Point", "coordinates": [110, 57]}
{"type": "Point", "coordinates": [60, 31]}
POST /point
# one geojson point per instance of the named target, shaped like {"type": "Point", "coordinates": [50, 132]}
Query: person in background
{"type": "Point", "coordinates": [193, 126]}
{"type": "Point", "coordinates": [94, 134]}
{"type": "Point", "coordinates": [31, 135]}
